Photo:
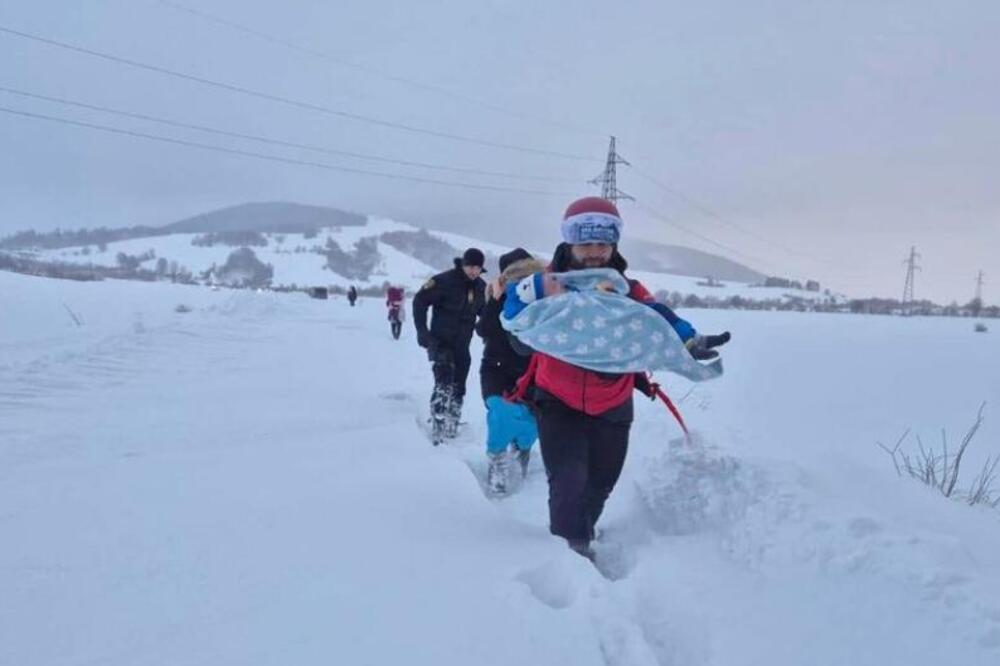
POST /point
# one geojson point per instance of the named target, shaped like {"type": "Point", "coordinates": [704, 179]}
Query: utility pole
{"type": "Point", "coordinates": [977, 303]}
{"type": "Point", "coordinates": [608, 180]}
{"type": "Point", "coordinates": [911, 268]}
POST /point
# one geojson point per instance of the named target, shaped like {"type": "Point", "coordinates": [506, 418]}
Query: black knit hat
{"type": "Point", "coordinates": [517, 254]}
{"type": "Point", "coordinates": [474, 257]}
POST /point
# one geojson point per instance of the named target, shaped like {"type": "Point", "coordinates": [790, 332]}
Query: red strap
{"type": "Point", "coordinates": [524, 382]}
{"type": "Point", "coordinates": [671, 406]}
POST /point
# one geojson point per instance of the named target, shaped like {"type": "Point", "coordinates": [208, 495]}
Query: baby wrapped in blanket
{"type": "Point", "coordinates": [586, 318]}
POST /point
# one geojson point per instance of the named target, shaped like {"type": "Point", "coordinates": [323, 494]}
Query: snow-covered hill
{"type": "Point", "coordinates": [267, 216]}
{"type": "Point", "coordinates": [298, 259]}
{"type": "Point", "coordinates": [667, 281]}
{"type": "Point", "coordinates": [289, 253]}
{"type": "Point", "coordinates": [245, 483]}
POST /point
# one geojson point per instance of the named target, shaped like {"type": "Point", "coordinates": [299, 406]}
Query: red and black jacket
{"type": "Point", "coordinates": [593, 393]}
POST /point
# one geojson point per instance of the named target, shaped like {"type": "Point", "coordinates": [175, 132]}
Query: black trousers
{"type": "Point", "coordinates": [450, 364]}
{"type": "Point", "coordinates": [583, 457]}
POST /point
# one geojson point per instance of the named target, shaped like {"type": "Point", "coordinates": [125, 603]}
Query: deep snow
{"type": "Point", "coordinates": [245, 484]}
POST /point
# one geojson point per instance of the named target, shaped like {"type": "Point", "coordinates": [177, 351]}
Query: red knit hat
{"type": "Point", "coordinates": [591, 220]}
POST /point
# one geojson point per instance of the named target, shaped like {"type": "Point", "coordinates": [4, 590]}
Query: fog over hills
{"type": "Point", "coordinates": [287, 217]}
{"type": "Point", "coordinates": [270, 216]}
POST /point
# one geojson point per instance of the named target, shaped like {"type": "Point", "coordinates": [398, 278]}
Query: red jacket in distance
{"type": "Point", "coordinates": [394, 296]}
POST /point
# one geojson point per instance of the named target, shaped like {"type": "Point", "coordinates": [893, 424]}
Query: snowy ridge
{"type": "Point", "coordinates": [305, 268]}
{"type": "Point", "coordinates": [290, 267]}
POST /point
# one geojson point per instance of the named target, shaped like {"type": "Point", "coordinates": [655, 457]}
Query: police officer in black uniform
{"type": "Point", "coordinates": [457, 297]}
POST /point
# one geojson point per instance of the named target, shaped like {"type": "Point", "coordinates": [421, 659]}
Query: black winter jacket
{"type": "Point", "coordinates": [456, 301]}
{"type": "Point", "coordinates": [501, 365]}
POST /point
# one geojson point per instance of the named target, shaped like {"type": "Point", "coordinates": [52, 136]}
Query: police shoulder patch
{"type": "Point", "coordinates": [428, 285]}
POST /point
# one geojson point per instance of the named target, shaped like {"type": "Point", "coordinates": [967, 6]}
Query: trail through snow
{"type": "Point", "coordinates": [245, 484]}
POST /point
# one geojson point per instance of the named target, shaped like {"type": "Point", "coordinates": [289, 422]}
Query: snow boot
{"type": "Point", "coordinates": [583, 548]}
{"type": "Point", "coordinates": [437, 431]}
{"type": "Point", "coordinates": [496, 475]}
{"type": "Point", "coordinates": [440, 413]}
{"type": "Point", "coordinates": [523, 458]}
{"type": "Point", "coordinates": [453, 417]}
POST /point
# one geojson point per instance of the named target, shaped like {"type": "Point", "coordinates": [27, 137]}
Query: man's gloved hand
{"type": "Point", "coordinates": [702, 347]}
{"type": "Point", "coordinates": [425, 339]}
{"type": "Point", "coordinates": [645, 386]}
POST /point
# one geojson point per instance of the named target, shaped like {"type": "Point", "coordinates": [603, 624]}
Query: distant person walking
{"type": "Point", "coordinates": [394, 302]}
{"type": "Point", "coordinates": [352, 295]}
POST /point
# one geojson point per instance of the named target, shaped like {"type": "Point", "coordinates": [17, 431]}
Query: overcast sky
{"type": "Point", "coordinates": [818, 139]}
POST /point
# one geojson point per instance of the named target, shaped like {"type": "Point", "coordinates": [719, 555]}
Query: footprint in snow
{"type": "Point", "coordinates": [550, 583]}
{"type": "Point", "coordinates": [613, 560]}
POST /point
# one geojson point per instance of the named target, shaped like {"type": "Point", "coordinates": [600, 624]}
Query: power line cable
{"type": "Point", "coordinates": [704, 208]}
{"type": "Point", "coordinates": [291, 102]}
{"type": "Point", "coordinates": [694, 203]}
{"type": "Point", "coordinates": [841, 268]}
{"type": "Point", "coordinates": [389, 76]}
{"type": "Point", "coordinates": [276, 142]}
{"type": "Point", "coordinates": [660, 216]}
{"type": "Point", "coordinates": [273, 158]}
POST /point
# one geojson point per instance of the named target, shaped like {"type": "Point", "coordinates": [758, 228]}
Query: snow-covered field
{"type": "Point", "coordinates": [246, 483]}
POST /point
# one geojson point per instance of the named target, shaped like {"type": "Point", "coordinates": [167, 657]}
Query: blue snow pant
{"type": "Point", "coordinates": [508, 423]}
